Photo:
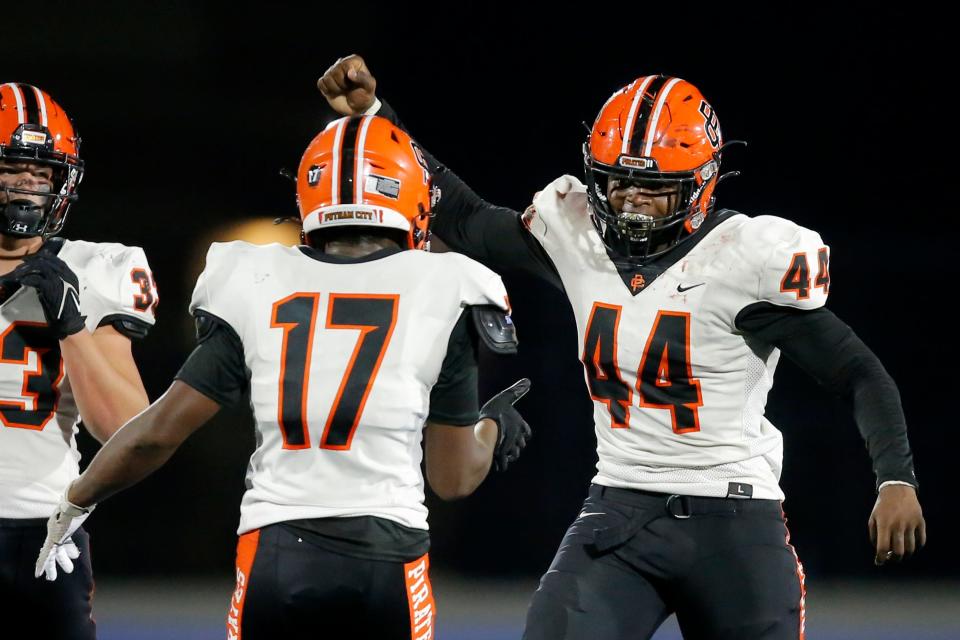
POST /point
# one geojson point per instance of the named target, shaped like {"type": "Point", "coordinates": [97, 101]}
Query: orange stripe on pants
{"type": "Point", "coordinates": [801, 576]}
{"type": "Point", "coordinates": [246, 551]}
{"type": "Point", "coordinates": [423, 611]}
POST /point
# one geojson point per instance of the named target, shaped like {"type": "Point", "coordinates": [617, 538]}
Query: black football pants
{"type": "Point", "coordinates": [725, 566]}
{"type": "Point", "coordinates": [289, 588]}
{"type": "Point", "coordinates": [58, 610]}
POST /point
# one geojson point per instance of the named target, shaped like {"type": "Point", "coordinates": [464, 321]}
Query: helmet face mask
{"type": "Point", "coordinates": [657, 137]}
{"type": "Point", "coordinates": [34, 130]}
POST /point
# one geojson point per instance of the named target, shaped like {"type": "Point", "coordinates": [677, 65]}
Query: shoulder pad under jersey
{"type": "Point", "coordinates": [495, 328]}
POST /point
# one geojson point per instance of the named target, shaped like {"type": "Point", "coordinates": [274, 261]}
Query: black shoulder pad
{"type": "Point", "coordinates": [130, 327]}
{"type": "Point", "coordinates": [495, 328]}
{"type": "Point", "coordinates": [205, 324]}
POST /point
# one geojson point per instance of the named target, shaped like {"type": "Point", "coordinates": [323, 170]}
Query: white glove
{"type": "Point", "coordinates": [58, 548]}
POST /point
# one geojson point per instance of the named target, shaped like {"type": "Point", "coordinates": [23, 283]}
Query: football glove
{"type": "Point", "coordinates": [57, 287]}
{"type": "Point", "coordinates": [513, 430]}
{"type": "Point", "coordinates": [58, 548]}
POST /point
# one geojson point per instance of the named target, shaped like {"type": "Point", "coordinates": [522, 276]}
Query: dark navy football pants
{"type": "Point", "coordinates": [631, 558]}
{"type": "Point", "coordinates": [58, 610]}
{"type": "Point", "coordinates": [289, 588]}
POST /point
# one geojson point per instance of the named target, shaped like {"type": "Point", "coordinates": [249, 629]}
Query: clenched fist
{"type": "Point", "coordinates": [348, 86]}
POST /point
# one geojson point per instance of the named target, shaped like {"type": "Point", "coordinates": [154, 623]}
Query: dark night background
{"type": "Point", "coordinates": [187, 110]}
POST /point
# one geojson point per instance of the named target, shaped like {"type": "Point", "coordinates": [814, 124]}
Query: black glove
{"type": "Point", "coordinates": [57, 287]}
{"type": "Point", "coordinates": [513, 430]}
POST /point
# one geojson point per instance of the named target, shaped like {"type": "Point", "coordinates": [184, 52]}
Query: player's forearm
{"type": "Point", "coordinates": [456, 467]}
{"type": "Point", "coordinates": [105, 398]}
{"type": "Point", "coordinates": [829, 351]}
{"type": "Point", "coordinates": [879, 416]}
{"type": "Point", "coordinates": [144, 444]}
{"type": "Point", "coordinates": [480, 456]}
{"type": "Point", "coordinates": [129, 457]}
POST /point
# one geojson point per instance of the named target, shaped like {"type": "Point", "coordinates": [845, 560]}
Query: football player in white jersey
{"type": "Point", "coordinates": [346, 345]}
{"type": "Point", "coordinates": [68, 311]}
{"type": "Point", "coordinates": [682, 311]}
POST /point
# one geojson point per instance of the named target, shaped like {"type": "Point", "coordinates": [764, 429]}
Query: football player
{"type": "Point", "coordinates": [346, 345]}
{"type": "Point", "coordinates": [68, 312]}
{"type": "Point", "coordinates": [683, 311]}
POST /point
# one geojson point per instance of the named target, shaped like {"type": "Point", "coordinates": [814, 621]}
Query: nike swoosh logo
{"type": "Point", "coordinates": [587, 515]}
{"type": "Point", "coordinates": [681, 288]}
{"type": "Point", "coordinates": [69, 293]}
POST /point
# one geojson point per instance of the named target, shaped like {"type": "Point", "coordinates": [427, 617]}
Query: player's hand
{"type": "Point", "coordinates": [58, 548]}
{"type": "Point", "coordinates": [348, 86]}
{"type": "Point", "coordinates": [513, 430]}
{"type": "Point", "coordinates": [57, 287]}
{"type": "Point", "coordinates": [897, 528]}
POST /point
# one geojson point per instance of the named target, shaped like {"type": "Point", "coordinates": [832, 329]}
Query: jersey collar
{"type": "Point", "coordinates": [334, 259]}
{"type": "Point", "coordinates": [638, 277]}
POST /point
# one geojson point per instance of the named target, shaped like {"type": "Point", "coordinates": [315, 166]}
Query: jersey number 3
{"type": "Point", "coordinates": [40, 384]}
{"type": "Point", "coordinates": [664, 380]}
{"type": "Point", "coordinates": [374, 316]}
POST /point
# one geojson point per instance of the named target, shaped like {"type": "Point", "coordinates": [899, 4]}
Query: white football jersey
{"type": "Point", "coordinates": [341, 358]}
{"type": "Point", "coordinates": [38, 413]}
{"type": "Point", "coordinates": [678, 390]}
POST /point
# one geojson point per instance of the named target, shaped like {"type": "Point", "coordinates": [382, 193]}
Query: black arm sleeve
{"type": "Point", "coordinates": [454, 399]}
{"type": "Point", "coordinates": [827, 349]}
{"type": "Point", "coordinates": [492, 235]}
{"type": "Point", "coordinates": [216, 368]}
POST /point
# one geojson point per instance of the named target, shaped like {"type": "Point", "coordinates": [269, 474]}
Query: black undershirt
{"type": "Point", "coordinates": [817, 341]}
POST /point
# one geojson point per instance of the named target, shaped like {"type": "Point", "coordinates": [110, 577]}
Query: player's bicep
{"type": "Point", "coordinates": [116, 350]}
{"type": "Point", "coordinates": [216, 367]}
{"type": "Point", "coordinates": [465, 222]}
{"type": "Point", "coordinates": [493, 235]}
{"type": "Point", "coordinates": [454, 399]}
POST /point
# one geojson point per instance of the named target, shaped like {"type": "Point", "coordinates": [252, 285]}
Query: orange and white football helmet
{"type": "Point", "coordinates": [364, 171]}
{"type": "Point", "coordinates": [656, 132]}
{"type": "Point", "coordinates": [35, 129]}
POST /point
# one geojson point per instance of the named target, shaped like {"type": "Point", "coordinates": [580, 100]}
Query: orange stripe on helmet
{"type": "Point", "coordinates": [632, 115]}
{"type": "Point", "coordinates": [654, 123]}
{"type": "Point", "coordinates": [18, 99]}
{"type": "Point", "coordinates": [42, 101]}
{"type": "Point", "coordinates": [358, 177]}
{"type": "Point", "coordinates": [335, 171]}
{"type": "Point", "coordinates": [642, 123]}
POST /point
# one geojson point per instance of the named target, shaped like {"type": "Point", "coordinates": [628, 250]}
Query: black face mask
{"type": "Point", "coordinates": [22, 218]}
